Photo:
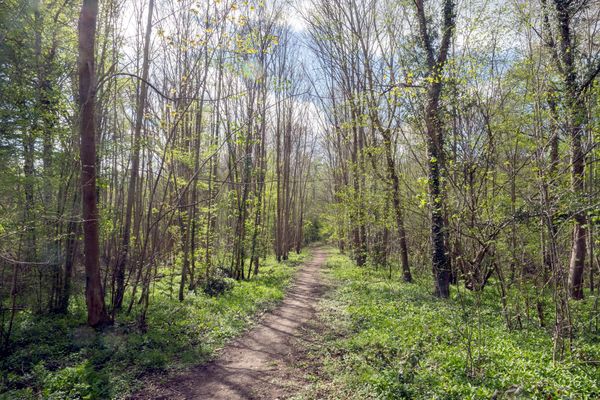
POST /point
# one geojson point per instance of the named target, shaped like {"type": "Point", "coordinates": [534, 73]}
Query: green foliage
{"type": "Point", "coordinates": [78, 382]}
{"type": "Point", "coordinates": [391, 340]}
{"type": "Point", "coordinates": [312, 231]}
{"type": "Point", "coordinates": [218, 283]}
{"type": "Point", "coordinates": [59, 358]}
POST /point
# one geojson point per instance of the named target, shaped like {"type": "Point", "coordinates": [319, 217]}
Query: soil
{"type": "Point", "coordinates": [262, 363]}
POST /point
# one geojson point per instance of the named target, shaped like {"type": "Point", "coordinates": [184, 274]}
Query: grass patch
{"type": "Point", "coordinates": [385, 339]}
{"type": "Point", "coordinates": [60, 358]}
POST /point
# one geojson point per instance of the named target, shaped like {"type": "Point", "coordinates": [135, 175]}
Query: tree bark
{"type": "Point", "coordinates": [576, 118]}
{"type": "Point", "coordinates": [97, 315]}
{"type": "Point", "coordinates": [399, 212]}
{"type": "Point", "coordinates": [435, 141]}
{"type": "Point", "coordinates": [135, 166]}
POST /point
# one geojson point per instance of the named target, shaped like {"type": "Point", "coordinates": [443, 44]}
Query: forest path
{"type": "Point", "coordinates": [260, 363]}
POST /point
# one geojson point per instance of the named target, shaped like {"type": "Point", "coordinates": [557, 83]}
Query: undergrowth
{"type": "Point", "coordinates": [60, 358]}
{"type": "Point", "coordinates": [384, 339]}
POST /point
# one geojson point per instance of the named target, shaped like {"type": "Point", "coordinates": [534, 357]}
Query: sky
{"type": "Point", "coordinates": [294, 14]}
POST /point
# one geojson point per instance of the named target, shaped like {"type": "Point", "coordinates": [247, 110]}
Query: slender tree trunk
{"type": "Point", "coordinates": [135, 166]}
{"type": "Point", "coordinates": [262, 169]}
{"type": "Point", "coordinates": [591, 226]}
{"type": "Point", "coordinates": [396, 202]}
{"type": "Point", "coordinates": [70, 252]}
{"type": "Point", "coordinates": [28, 186]}
{"type": "Point", "coordinates": [279, 195]}
{"type": "Point", "coordinates": [358, 239]}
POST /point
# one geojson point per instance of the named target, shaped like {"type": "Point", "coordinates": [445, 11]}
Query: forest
{"type": "Point", "coordinates": [300, 199]}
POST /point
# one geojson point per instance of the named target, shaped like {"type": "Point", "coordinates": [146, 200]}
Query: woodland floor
{"type": "Point", "coordinates": [348, 332]}
{"type": "Point", "coordinates": [264, 363]}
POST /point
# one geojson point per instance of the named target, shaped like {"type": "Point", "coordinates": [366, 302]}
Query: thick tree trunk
{"type": "Point", "coordinates": [97, 315]}
{"type": "Point", "coordinates": [439, 258]}
{"type": "Point", "coordinates": [576, 118]}
{"type": "Point", "coordinates": [435, 141]}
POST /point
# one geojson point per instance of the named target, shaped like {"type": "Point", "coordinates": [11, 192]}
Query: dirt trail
{"type": "Point", "coordinates": [258, 365]}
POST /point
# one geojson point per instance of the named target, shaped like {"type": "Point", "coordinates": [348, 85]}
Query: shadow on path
{"type": "Point", "coordinates": [258, 365]}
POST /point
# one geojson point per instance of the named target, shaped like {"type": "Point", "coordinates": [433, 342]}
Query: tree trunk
{"type": "Point", "coordinates": [576, 119]}
{"type": "Point", "coordinates": [70, 252]}
{"type": "Point", "coordinates": [97, 315]}
{"type": "Point", "coordinates": [439, 256]}
{"type": "Point", "coordinates": [435, 140]}
{"type": "Point", "coordinates": [393, 176]}
{"type": "Point", "coordinates": [135, 165]}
